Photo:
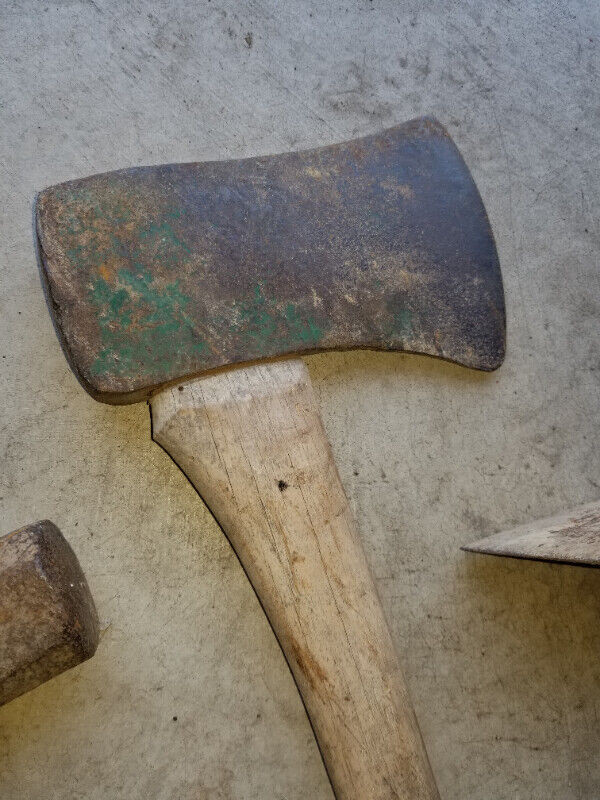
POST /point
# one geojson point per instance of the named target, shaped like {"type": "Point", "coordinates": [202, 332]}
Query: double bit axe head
{"type": "Point", "coordinates": [154, 274]}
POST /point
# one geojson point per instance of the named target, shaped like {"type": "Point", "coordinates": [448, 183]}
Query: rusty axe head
{"type": "Point", "coordinates": [154, 274]}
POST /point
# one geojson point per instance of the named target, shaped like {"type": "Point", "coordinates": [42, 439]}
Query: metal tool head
{"type": "Point", "coordinates": [571, 538]}
{"type": "Point", "coordinates": [154, 274]}
{"type": "Point", "coordinates": [48, 620]}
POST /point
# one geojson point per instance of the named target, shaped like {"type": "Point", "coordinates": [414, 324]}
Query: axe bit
{"type": "Point", "coordinates": [170, 283]}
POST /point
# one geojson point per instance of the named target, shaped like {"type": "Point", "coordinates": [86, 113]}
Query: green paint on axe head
{"type": "Point", "coordinates": [154, 274]}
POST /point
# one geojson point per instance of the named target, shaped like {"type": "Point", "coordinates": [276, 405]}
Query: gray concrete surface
{"type": "Point", "coordinates": [501, 657]}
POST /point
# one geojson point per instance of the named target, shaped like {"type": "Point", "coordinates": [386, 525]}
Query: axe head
{"type": "Point", "coordinates": [155, 274]}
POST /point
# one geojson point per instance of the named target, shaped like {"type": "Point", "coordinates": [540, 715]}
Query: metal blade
{"type": "Point", "coordinates": [572, 538]}
{"type": "Point", "coordinates": [154, 274]}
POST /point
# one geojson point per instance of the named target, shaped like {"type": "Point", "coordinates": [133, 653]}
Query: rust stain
{"type": "Point", "coordinates": [309, 666]}
{"type": "Point", "coordinates": [314, 172]}
{"type": "Point", "coordinates": [404, 190]}
{"type": "Point", "coordinates": [585, 529]}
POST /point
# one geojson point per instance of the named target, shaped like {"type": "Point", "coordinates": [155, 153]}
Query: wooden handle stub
{"type": "Point", "coordinates": [252, 442]}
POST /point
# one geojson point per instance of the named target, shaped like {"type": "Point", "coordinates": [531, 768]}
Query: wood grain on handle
{"type": "Point", "coordinates": [252, 442]}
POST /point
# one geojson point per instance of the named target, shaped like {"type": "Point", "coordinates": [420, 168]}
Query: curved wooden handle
{"type": "Point", "coordinates": [252, 442]}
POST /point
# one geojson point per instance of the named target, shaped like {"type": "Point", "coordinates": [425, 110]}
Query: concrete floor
{"type": "Point", "coordinates": [501, 657]}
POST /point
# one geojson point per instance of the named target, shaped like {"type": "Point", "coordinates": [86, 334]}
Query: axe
{"type": "Point", "coordinates": [187, 284]}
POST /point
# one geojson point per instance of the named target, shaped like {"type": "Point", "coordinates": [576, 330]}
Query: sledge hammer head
{"type": "Point", "coordinates": [48, 620]}
{"type": "Point", "coordinates": [155, 274]}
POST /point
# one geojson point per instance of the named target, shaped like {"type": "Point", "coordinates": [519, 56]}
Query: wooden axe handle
{"type": "Point", "coordinates": [252, 442]}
